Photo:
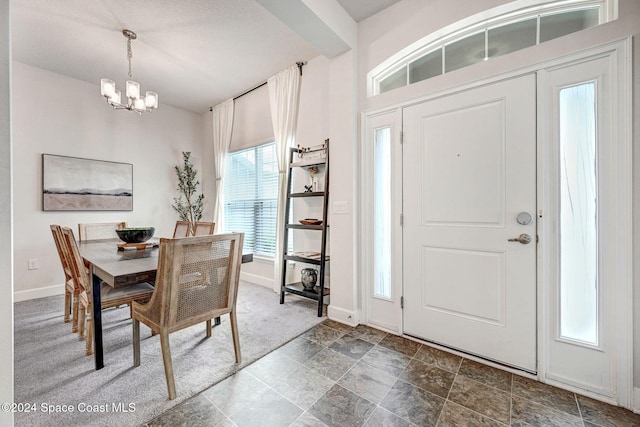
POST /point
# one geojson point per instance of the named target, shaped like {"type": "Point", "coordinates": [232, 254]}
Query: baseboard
{"type": "Point", "coordinates": [636, 400]}
{"type": "Point", "coordinates": [257, 279]}
{"type": "Point", "coordinates": [59, 289]}
{"type": "Point", "coordinates": [38, 293]}
{"type": "Point", "coordinates": [351, 318]}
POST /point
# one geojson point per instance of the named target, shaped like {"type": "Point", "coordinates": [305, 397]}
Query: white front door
{"type": "Point", "coordinates": [469, 176]}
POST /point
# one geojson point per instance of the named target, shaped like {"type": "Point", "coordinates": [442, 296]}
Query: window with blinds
{"type": "Point", "coordinates": [251, 197]}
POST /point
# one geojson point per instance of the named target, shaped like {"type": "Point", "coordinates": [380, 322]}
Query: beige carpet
{"type": "Point", "coordinates": [60, 386]}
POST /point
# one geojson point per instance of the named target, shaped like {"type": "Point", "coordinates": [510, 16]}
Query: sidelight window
{"type": "Point", "coordinates": [578, 214]}
{"type": "Point", "coordinates": [382, 212]}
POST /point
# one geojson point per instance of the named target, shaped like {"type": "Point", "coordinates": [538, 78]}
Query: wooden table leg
{"type": "Point", "coordinates": [97, 323]}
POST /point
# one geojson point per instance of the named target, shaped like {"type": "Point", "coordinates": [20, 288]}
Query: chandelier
{"type": "Point", "coordinates": [134, 101]}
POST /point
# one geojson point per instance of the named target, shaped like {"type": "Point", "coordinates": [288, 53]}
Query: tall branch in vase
{"type": "Point", "coordinates": [189, 204]}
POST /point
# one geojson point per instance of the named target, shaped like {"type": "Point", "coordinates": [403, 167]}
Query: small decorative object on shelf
{"type": "Point", "coordinates": [313, 170]}
{"type": "Point", "coordinates": [310, 221]}
{"type": "Point", "coordinates": [312, 281]}
{"type": "Point", "coordinates": [310, 156]}
{"type": "Point", "coordinates": [309, 278]}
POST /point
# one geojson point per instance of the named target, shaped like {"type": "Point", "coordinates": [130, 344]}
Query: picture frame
{"type": "Point", "coordinates": [78, 184]}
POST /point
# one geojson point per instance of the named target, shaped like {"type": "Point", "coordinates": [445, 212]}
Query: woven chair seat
{"type": "Point", "coordinates": [113, 297]}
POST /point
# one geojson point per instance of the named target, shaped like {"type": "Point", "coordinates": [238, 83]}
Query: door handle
{"type": "Point", "coordinates": [525, 239]}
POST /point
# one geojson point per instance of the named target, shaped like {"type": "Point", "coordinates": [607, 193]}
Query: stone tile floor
{"type": "Point", "coordinates": [336, 375]}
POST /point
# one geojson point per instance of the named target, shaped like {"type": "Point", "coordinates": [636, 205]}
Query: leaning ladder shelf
{"type": "Point", "coordinates": [318, 157]}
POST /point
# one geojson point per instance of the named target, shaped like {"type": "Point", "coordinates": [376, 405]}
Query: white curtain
{"type": "Point", "coordinates": [222, 126]}
{"type": "Point", "coordinates": [284, 94]}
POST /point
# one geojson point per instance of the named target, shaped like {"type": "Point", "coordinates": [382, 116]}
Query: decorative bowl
{"type": "Point", "coordinates": [135, 234]}
{"type": "Point", "coordinates": [310, 221]}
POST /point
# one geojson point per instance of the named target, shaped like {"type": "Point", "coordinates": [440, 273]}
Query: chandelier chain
{"type": "Point", "coordinates": [129, 55]}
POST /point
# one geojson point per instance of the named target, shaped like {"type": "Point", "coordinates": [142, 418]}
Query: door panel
{"type": "Point", "coordinates": [460, 268]}
{"type": "Point", "coordinates": [463, 180]}
{"type": "Point", "coordinates": [469, 168]}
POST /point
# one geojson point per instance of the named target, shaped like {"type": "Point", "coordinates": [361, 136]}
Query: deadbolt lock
{"type": "Point", "coordinates": [524, 218]}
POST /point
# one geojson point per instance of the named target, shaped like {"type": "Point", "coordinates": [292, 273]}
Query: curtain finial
{"type": "Point", "coordinates": [300, 64]}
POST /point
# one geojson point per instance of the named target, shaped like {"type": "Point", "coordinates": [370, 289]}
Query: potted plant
{"type": "Point", "coordinates": [189, 204]}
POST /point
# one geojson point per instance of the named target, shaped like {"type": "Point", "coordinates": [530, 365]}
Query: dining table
{"type": "Point", "coordinates": [118, 267]}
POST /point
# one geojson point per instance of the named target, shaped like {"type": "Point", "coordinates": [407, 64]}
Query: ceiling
{"type": "Point", "coordinates": [193, 53]}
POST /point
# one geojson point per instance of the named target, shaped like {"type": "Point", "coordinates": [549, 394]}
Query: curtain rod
{"type": "Point", "coordinates": [299, 64]}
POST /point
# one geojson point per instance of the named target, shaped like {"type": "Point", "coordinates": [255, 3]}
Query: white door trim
{"type": "Point", "coordinates": [622, 49]}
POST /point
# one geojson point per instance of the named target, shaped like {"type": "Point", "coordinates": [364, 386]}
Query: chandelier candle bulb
{"type": "Point", "coordinates": [107, 88]}
{"type": "Point", "coordinates": [138, 104]}
{"type": "Point", "coordinates": [151, 99]}
{"type": "Point", "coordinates": [133, 89]}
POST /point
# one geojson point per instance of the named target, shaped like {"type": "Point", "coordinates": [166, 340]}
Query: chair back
{"type": "Point", "coordinates": [197, 280]}
{"type": "Point", "coordinates": [202, 228]}
{"type": "Point", "coordinates": [183, 229]}
{"type": "Point", "coordinates": [99, 230]}
{"type": "Point", "coordinates": [58, 238]}
{"type": "Point", "coordinates": [79, 272]}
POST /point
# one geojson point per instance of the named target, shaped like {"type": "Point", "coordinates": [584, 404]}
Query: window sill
{"type": "Point", "coordinates": [263, 258]}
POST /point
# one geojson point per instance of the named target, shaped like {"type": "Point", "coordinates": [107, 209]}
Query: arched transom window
{"type": "Point", "coordinates": [513, 26]}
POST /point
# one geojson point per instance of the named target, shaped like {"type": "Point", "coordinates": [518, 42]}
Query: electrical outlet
{"type": "Point", "coordinates": [34, 264]}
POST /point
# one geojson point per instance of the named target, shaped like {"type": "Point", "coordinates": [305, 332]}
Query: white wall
{"type": "Point", "coordinates": [60, 115]}
{"type": "Point", "coordinates": [6, 270]}
{"type": "Point", "coordinates": [313, 129]}
{"type": "Point", "coordinates": [314, 113]}
{"type": "Point", "coordinates": [345, 288]}
{"type": "Point", "coordinates": [409, 20]}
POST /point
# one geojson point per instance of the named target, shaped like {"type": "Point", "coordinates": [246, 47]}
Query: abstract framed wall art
{"type": "Point", "coordinates": [76, 184]}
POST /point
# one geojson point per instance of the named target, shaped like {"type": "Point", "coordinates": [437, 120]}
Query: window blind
{"type": "Point", "coordinates": [251, 197]}
{"type": "Point", "coordinates": [252, 124]}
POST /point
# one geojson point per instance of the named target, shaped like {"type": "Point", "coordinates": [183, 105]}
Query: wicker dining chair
{"type": "Point", "coordinates": [99, 230]}
{"type": "Point", "coordinates": [110, 297]}
{"type": "Point", "coordinates": [202, 228]}
{"type": "Point", "coordinates": [197, 281]}
{"type": "Point", "coordinates": [72, 289]}
{"type": "Point", "coordinates": [183, 229]}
